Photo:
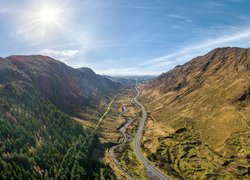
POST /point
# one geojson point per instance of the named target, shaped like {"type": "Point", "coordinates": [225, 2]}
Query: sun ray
{"type": "Point", "coordinates": [45, 20]}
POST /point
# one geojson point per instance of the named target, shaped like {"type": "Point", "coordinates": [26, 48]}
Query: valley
{"type": "Point", "coordinates": [117, 132]}
{"type": "Point", "coordinates": [134, 138]}
{"type": "Point", "coordinates": [189, 123]}
{"type": "Point", "coordinates": [177, 147]}
{"type": "Point", "coordinates": [125, 90]}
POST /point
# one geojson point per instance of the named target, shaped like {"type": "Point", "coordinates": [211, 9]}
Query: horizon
{"type": "Point", "coordinates": [123, 38]}
{"type": "Point", "coordinates": [126, 75]}
{"type": "Point", "coordinates": [125, 89]}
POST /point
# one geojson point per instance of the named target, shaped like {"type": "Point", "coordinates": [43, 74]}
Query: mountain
{"type": "Point", "coordinates": [78, 92]}
{"type": "Point", "coordinates": [37, 139]}
{"type": "Point", "coordinates": [104, 85]}
{"type": "Point", "coordinates": [206, 103]}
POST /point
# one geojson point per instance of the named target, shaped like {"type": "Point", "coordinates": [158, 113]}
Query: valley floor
{"type": "Point", "coordinates": [115, 146]}
{"type": "Point", "coordinates": [123, 159]}
{"type": "Point", "coordinates": [180, 153]}
{"type": "Point", "coordinates": [117, 132]}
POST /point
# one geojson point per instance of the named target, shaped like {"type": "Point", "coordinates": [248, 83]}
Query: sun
{"type": "Point", "coordinates": [48, 16]}
{"type": "Point", "coordinates": [45, 19]}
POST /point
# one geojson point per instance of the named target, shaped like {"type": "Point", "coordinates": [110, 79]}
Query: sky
{"type": "Point", "coordinates": [122, 37]}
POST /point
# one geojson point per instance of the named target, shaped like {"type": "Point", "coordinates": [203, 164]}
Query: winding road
{"type": "Point", "coordinates": [154, 171]}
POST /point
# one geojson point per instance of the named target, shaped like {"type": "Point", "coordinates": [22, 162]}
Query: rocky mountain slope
{"type": "Point", "coordinates": [78, 92]}
{"type": "Point", "coordinates": [208, 97]}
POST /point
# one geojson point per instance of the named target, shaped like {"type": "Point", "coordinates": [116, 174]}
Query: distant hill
{"type": "Point", "coordinates": [122, 80]}
{"type": "Point", "coordinates": [78, 92]}
{"type": "Point", "coordinates": [210, 97]}
{"type": "Point", "coordinates": [129, 80]}
{"type": "Point", "coordinates": [137, 77]}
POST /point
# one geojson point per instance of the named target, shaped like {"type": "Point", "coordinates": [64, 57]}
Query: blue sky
{"type": "Point", "coordinates": [119, 37]}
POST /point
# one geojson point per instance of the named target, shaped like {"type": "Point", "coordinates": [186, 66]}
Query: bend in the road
{"type": "Point", "coordinates": [137, 143]}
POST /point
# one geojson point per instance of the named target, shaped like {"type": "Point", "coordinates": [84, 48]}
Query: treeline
{"type": "Point", "coordinates": [38, 141]}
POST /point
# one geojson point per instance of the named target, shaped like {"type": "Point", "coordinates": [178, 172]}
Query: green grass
{"type": "Point", "coordinates": [105, 113]}
{"type": "Point", "coordinates": [129, 161]}
{"type": "Point", "coordinates": [188, 157]}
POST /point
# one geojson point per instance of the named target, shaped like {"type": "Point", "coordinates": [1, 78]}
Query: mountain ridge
{"type": "Point", "coordinates": [75, 91]}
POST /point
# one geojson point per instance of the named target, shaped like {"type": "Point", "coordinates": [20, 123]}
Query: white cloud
{"type": "Point", "coordinates": [142, 7]}
{"type": "Point", "coordinates": [180, 17]}
{"type": "Point", "coordinates": [62, 55]}
{"type": "Point", "coordinates": [186, 53]}
{"type": "Point", "coordinates": [213, 4]}
{"type": "Point", "coordinates": [3, 11]}
{"type": "Point", "coordinates": [238, 1]}
{"type": "Point", "coordinates": [177, 16]}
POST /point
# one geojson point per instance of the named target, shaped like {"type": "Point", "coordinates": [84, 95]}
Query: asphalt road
{"type": "Point", "coordinates": [154, 171]}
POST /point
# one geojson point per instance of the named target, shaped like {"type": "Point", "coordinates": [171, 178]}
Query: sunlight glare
{"type": "Point", "coordinates": [45, 20]}
{"type": "Point", "coordinates": [48, 16]}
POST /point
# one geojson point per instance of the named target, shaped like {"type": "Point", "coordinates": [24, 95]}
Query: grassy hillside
{"type": "Point", "coordinates": [209, 96]}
